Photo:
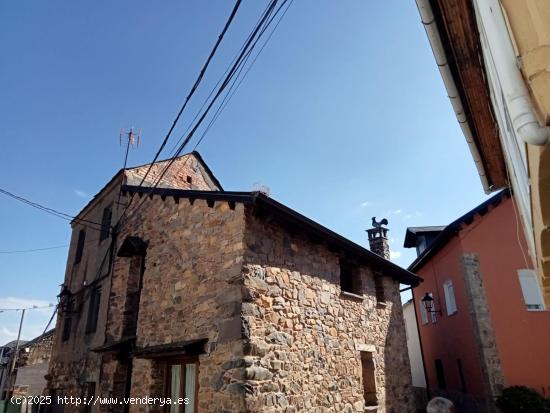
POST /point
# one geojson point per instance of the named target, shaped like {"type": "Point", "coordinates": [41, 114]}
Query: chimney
{"type": "Point", "coordinates": [378, 238]}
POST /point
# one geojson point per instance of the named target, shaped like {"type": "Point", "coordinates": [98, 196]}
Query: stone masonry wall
{"type": "Point", "coordinates": [176, 176]}
{"type": "Point", "coordinates": [483, 329]}
{"type": "Point", "coordinates": [305, 336]}
{"type": "Point", "coordinates": [191, 290]}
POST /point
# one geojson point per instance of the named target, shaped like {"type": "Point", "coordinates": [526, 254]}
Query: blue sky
{"type": "Point", "coordinates": [344, 117]}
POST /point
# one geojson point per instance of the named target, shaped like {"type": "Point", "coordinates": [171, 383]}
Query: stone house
{"type": "Point", "coordinates": [231, 300]}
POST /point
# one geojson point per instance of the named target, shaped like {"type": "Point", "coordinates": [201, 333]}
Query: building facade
{"type": "Point", "coordinates": [494, 59]}
{"type": "Point", "coordinates": [488, 327]}
{"type": "Point", "coordinates": [237, 303]}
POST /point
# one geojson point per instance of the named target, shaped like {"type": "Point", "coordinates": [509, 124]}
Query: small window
{"type": "Point", "coordinates": [349, 278]}
{"type": "Point", "coordinates": [189, 179]}
{"type": "Point", "coordinates": [379, 288]}
{"type": "Point", "coordinates": [181, 382]}
{"type": "Point", "coordinates": [67, 324]}
{"type": "Point", "coordinates": [441, 383]}
{"type": "Point", "coordinates": [423, 312]}
{"type": "Point", "coordinates": [461, 376]}
{"type": "Point", "coordinates": [93, 310]}
{"type": "Point", "coordinates": [530, 287]}
{"type": "Point", "coordinates": [80, 246]}
{"type": "Point", "coordinates": [106, 223]}
{"type": "Point", "coordinates": [369, 378]}
{"type": "Point", "coordinates": [450, 300]}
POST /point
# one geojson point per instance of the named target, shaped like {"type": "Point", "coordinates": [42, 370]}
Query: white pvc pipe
{"type": "Point", "coordinates": [432, 31]}
{"type": "Point", "coordinates": [513, 85]}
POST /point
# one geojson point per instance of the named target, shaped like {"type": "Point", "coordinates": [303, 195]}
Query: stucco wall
{"type": "Point", "coordinates": [413, 345]}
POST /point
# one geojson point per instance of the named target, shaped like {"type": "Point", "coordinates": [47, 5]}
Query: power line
{"type": "Point", "coordinates": [245, 51]}
{"type": "Point", "coordinates": [50, 211]}
{"type": "Point", "coordinates": [194, 87]}
{"type": "Point", "coordinates": [34, 249]}
{"type": "Point", "coordinates": [233, 89]}
{"type": "Point", "coordinates": [268, 11]}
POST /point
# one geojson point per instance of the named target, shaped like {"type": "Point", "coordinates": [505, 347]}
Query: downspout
{"type": "Point", "coordinates": [428, 20]}
{"type": "Point", "coordinates": [513, 85]}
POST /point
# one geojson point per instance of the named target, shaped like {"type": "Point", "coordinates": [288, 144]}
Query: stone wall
{"type": "Point", "coordinates": [177, 176]}
{"type": "Point", "coordinates": [191, 290]}
{"type": "Point", "coordinates": [73, 363]}
{"type": "Point", "coordinates": [305, 336]}
{"type": "Point", "coordinates": [478, 307]}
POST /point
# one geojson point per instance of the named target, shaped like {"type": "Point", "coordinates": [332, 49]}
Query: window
{"type": "Point", "coordinates": [461, 375]}
{"type": "Point", "coordinates": [93, 310]}
{"type": "Point", "coordinates": [420, 245]}
{"type": "Point", "coordinates": [67, 320]}
{"type": "Point", "coordinates": [349, 278]}
{"type": "Point", "coordinates": [379, 288]}
{"type": "Point", "coordinates": [80, 246]}
{"type": "Point", "coordinates": [189, 179]}
{"type": "Point", "coordinates": [66, 334]}
{"type": "Point", "coordinates": [181, 382]}
{"type": "Point", "coordinates": [105, 223]}
{"type": "Point", "coordinates": [450, 300]}
{"type": "Point", "coordinates": [441, 384]}
{"type": "Point", "coordinates": [531, 290]}
{"type": "Point", "coordinates": [423, 312]}
{"type": "Point", "coordinates": [369, 378]}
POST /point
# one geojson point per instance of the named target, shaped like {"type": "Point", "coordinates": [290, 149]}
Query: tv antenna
{"type": "Point", "coordinates": [130, 139]}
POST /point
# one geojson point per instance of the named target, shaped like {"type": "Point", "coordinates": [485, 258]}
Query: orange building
{"type": "Point", "coordinates": [488, 327]}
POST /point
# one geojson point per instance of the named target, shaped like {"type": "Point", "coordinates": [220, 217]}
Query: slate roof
{"type": "Point", "coordinates": [454, 228]}
{"type": "Point", "coordinates": [263, 202]}
{"type": "Point", "coordinates": [413, 232]}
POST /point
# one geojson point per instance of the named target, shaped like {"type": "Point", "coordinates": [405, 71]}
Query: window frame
{"type": "Point", "coordinates": [450, 298]}
{"type": "Point", "coordinates": [440, 374]}
{"type": "Point", "coordinates": [529, 275]}
{"type": "Point", "coordinates": [106, 223]}
{"type": "Point", "coordinates": [93, 310]}
{"type": "Point", "coordinates": [80, 246]}
{"type": "Point", "coordinates": [368, 365]}
{"type": "Point", "coordinates": [182, 361]}
{"type": "Point", "coordinates": [350, 280]}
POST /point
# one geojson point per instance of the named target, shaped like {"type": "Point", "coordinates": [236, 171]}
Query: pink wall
{"type": "Point", "coordinates": [523, 337]}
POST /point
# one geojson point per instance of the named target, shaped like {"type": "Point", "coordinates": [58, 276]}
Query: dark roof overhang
{"type": "Point", "coordinates": [182, 348]}
{"type": "Point", "coordinates": [413, 233]}
{"type": "Point", "coordinates": [262, 202]}
{"type": "Point", "coordinates": [454, 228]}
{"type": "Point", "coordinates": [458, 31]}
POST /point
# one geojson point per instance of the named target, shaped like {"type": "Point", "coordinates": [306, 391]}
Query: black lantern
{"type": "Point", "coordinates": [428, 302]}
{"type": "Point", "coordinates": [64, 299]}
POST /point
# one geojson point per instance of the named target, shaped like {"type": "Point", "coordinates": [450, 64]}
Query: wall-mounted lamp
{"type": "Point", "coordinates": [428, 302]}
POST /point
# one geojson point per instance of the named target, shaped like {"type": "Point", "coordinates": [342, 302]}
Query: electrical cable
{"type": "Point", "coordinates": [249, 46]}
{"type": "Point", "coordinates": [51, 211]}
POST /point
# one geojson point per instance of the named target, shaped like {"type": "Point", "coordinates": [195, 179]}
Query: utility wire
{"type": "Point", "coordinates": [233, 89]}
{"type": "Point", "coordinates": [194, 87]}
{"type": "Point", "coordinates": [222, 87]}
{"type": "Point", "coordinates": [51, 211]}
{"type": "Point", "coordinates": [234, 69]}
{"type": "Point", "coordinates": [34, 249]}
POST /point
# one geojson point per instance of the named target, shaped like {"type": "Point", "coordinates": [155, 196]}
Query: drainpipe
{"type": "Point", "coordinates": [515, 92]}
{"type": "Point", "coordinates": [428, 20]}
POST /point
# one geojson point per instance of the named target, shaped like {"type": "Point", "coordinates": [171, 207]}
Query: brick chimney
{"type": "Point", "coordinates": [378, 238]}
